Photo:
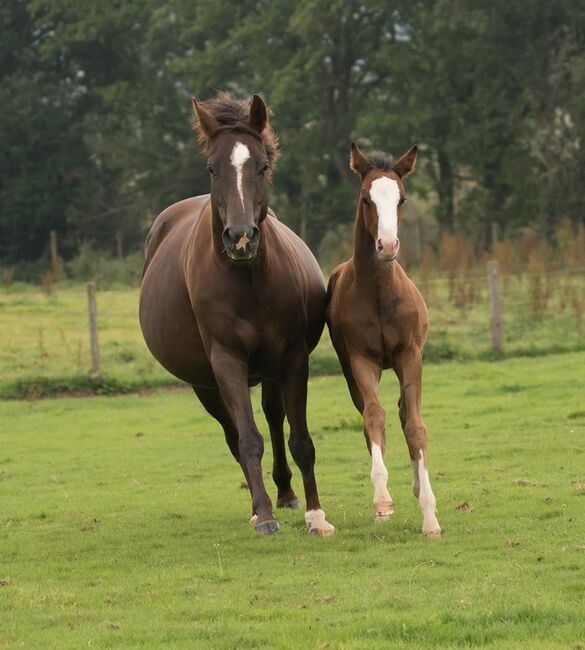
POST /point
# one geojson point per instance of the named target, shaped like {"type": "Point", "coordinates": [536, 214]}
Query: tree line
{"type": "Point", "coordinates": [96, 126]}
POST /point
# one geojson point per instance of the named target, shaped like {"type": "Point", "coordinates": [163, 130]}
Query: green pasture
{"type": "Point", "coordinates": [44, 343]}
{"type": "Point", "coordinates": [123, 523]}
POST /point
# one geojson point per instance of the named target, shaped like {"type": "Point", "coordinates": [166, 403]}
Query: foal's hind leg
{"type": "Point", "coordinates": [273, 406]}
{"type": "Point", "coordinates": [408, 368]}
{"type": "Point", "coordinates": [366, 375]}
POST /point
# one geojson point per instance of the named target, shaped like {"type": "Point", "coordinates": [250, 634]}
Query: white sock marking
{"type": "Point", "coordinates": [385, 193]}
{"type": "Point", "coordinates": [427, 499]}
{"type": "Point", "coordinates": [240, 153]}
{"type": "Point", "coordinates": [379, 477]}
{"type": "Point", "coordinates": [316, 521]}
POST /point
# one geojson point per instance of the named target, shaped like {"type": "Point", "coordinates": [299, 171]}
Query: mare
{"type": "Point", "coordinates": [231, 297]}
{"type": "Point", "coordinates": [378, 320]}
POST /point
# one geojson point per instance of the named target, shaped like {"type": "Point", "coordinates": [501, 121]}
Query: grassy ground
{"type": "Point", "coordinates": [44, 342]}
{"type": "Point", "coordinates": [123, 523]}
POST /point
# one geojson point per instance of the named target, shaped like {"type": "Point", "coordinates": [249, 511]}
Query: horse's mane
{"type": "Point", "coordinates": [234, 114]}
{"type": "Point", "coordinates": [381, 160]}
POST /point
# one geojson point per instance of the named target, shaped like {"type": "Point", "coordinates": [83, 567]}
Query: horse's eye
{"type": "Point", "coordinates": [366, 201]}
{"type": "Point", "coordinates": [402, 200]}
{"type": "Point", "coordinates": [210, 169]}
{"type": "Point", "coordinates": [263, 169]}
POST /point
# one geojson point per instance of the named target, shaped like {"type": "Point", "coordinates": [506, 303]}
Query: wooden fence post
{"type": "Point", "coordinates": [495, 304]}
{"type": "Point", "coordinates": [55, 262]}
{"type": "Point", "coordinates": [93, 330]}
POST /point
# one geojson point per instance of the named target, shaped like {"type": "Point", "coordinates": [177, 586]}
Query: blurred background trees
{"type": "Point", "coordinates": [96, 127]}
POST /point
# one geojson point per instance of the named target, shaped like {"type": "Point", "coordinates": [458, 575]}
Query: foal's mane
{"type": "Point", "coordinates": [382, 161]}
{"type": "Point", "coordinates": [234, 115]}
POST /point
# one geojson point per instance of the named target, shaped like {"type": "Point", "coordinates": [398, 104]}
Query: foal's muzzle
{"type": "Point", "coordinates": [387, 250]}
{"type": "Point", "coordinates": [241, 242]}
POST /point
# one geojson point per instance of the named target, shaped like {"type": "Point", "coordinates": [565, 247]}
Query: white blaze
{"type": "Point", "coordinates": [385, 193]}
{"type": "Point", "coordinates": [240, 154]}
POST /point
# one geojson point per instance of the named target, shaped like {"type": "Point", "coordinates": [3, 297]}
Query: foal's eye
{"type": "Point", "coordinates": [402, 200]}
{"type": "Point", "coordinates": [210, 169]}
{"type": "Point", "coordinates": [263, 169]}
{"type": "Point", "coordinates": [366, 201]}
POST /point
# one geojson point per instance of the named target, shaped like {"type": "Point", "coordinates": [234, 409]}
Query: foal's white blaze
{"type": "Point", "coordinates": [382, 498]}
{"type": "Point", "coordinates": [427, 500]}
{"type": "Point", "coordinates": [385, 194]}
{"type": "Point", "coordinates": [240, 153]}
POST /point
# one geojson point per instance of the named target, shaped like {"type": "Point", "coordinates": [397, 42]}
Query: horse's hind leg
{"type": "Point", "coordinates": [273, 406]}
{"type": "Point", "coordinates": [213, 404]}
{"type": "Point", "coordinates": [300, 443]}
{"type": "Point", "coordinates": [366, 376]}
{"type": "Point", "coordinates": [408, 368]}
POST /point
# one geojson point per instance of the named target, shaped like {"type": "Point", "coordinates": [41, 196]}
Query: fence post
{"type": "Point", "coordinates": [55, 262]}
{"type": "Point", "coordinates": [93, 330]}
{"type": "Point", "coordinates": [495, 304]}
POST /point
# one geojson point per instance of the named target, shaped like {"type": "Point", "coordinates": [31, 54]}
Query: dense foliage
{"type": "Point", "coordinates": [96, 135]}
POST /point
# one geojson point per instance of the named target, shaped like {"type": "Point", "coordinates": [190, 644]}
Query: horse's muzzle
{"type": "Point", "coordinates": [241, 242]}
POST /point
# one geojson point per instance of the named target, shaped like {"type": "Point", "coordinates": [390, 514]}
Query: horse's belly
{"type": "Point", "coordinates": [169, 325]}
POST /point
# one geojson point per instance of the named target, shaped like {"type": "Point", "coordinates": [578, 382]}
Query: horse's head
{"type": "Point", "coordinates": [241, 149]}
{"type": "Point", "coordinates": [382, 194]}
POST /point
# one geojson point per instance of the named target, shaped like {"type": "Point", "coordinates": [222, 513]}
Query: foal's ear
{"type": "Point", "coordinates": [358, 162]}
{"type": "Point", "coordinates": [405, 165]}
{"type": "Point", "coordinates": [207, 125]}
{"type": "Point", "coordinates": [258, 114]}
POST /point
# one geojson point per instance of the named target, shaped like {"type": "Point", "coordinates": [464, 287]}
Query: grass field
{"type": "Point", "coordinates": [44, 343]}
{"type": "Point", "coordinates": [123, 523]}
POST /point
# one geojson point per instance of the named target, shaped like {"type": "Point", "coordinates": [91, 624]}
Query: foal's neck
{"type": "Point", "coordinates": [369, 271]}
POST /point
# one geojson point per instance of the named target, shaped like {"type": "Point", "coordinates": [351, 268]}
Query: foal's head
{"type": "Point", "coordinates": [382, 194]}
{"type": "Point", "coordinates": [241, 150]}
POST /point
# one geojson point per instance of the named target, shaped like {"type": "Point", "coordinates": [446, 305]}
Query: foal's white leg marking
{"type": "Point", "coordinates": [427, 501]}
{"type": "Point", "coordinates": [317, 524]}
{"type": "Point", "coordinates": [385, 193]}
{"type": "Point", "coordinates": [382, 499]}
{"type": "Point", "coordinates": [240, 153]}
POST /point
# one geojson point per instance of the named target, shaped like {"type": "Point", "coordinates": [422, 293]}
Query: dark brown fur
{"type": "Point", "coordinates": [223, 322]}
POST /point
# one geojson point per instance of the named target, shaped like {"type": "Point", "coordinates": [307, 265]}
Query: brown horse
{"type": "Point", "coordinates": [231, 297]}
{"type": "Point", "coordinates": [378, 320]}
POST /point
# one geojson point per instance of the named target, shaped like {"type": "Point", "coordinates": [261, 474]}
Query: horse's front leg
{"type": "Point", "coordinates": [366, 375]}
{"type": "Point", "coordinates": [300, 443]}
{"type": "Point", "coordinates": [408, 368]}
{"type": "Point", "coordinates": [231, 374]}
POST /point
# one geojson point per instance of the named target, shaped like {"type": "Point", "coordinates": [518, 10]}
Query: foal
{"type": "Point", "coordinates": [378, 319]}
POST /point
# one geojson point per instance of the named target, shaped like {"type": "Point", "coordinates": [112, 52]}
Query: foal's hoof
{"type": "Point", "coordinates": [318, 526]}
{"type": "Point", "coordinates": [384, 510]}
{"type": "Point", "coordinates": [268, 527]}
{"type": "Point", "coordinates": [293, 504]}
{"type": "Point", "coordinates": [434, 533]}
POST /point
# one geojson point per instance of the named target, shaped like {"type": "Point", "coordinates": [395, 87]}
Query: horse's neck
{"type": "Point", "coordinates": [369, 272]}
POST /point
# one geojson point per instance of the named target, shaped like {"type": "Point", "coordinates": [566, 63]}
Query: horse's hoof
{"type": "Point", "coordinates": [293, 504]}
{"type": "Point", "coordinates": [432, 534]}
{"type": "Point", "coordinates": [384, 511]}
{"type": "Point", "coordinates": [322, 532]}
{"type": "Point", "coordinates": [268, 527]}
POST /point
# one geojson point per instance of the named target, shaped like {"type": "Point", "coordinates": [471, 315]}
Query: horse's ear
{"type": "Point", "coordinates": [258, 114]}
{"type": "Point", "coordinates": [358, 162]}
{"type": "Point", "coordinates": [207, 125]}
{"type": "Point", "coordinates": [405, 165]}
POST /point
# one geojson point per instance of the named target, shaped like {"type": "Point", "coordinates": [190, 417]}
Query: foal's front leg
{"type": "Point", "coordinates": [366, 375]}
{"type": "Point", "coordinates": [408, 368]}
{"type": "Point", "coordinates": [231, 374]}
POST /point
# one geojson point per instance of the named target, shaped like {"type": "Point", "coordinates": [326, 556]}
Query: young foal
{"type": "Point", "coordinates": [378, 320]}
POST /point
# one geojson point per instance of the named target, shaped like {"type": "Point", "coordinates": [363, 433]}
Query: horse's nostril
{"type": "Point", "coordinates": [380, 245]}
